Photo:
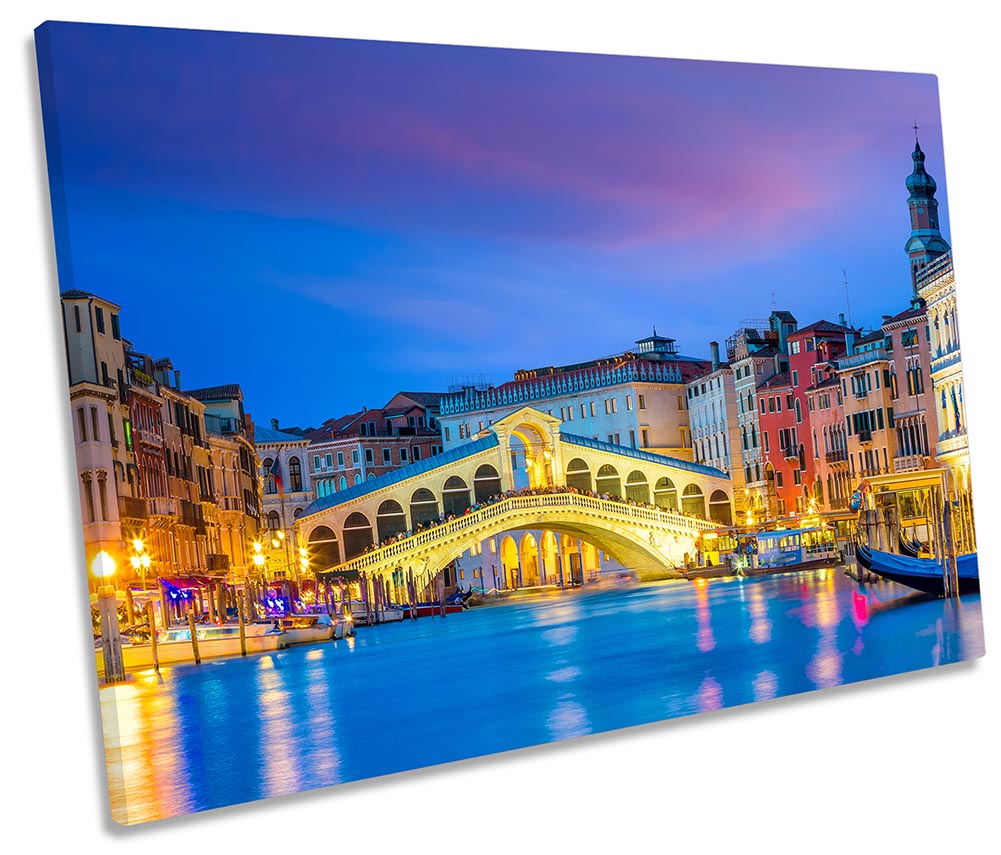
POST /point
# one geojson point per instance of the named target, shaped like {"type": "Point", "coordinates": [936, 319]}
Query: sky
{"type": "Point", "coordinates": [327, 222]}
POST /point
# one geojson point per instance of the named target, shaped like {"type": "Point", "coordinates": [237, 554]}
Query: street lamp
{"type": "Point", "coordinates": [140, 559]}
{"type": "Point", "coordinates": [103, 568]}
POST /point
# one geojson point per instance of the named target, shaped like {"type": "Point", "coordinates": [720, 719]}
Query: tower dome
{"type": "Point", "coordinates": [919, 182]}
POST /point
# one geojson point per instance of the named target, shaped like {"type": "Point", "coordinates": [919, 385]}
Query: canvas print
{"type": "Point", "coordinates": [431, 402]}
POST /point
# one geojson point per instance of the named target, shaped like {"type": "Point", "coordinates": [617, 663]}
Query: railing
{"type": "Point", "coordinates": [218, 562]}
{"type": "Point", "coordinates": [161, 506]}
{"type": "Point", "coordinates": [583, 380]}
{"type": "Point", "coordinates": [839, 455]}
{"type": "Point", "coordinates": [132, 508]}
{"type": "Point", "coordinates": [947, 443]}
{"type": "Point", "coordinates": [857, 360]}
{"type": "Point", "coordinates": [908, 463]}
{"type": "Point", "coordinates": [864, 435]}
{"type": "Point", "coordinates": [936, 270]}
{"type": "Point", "coordinates": [475, 519]}
{"type": "Point", "coordinates": [148, 437]}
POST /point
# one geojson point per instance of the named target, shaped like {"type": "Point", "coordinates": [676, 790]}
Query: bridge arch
{"type": "Point", "coordinates": [665, 494]}
{"type": "Point", "coordinates": [578, 475]}
{"type": "Point", "coordinates": [510, 562]}
{"type": "Point", "coordinates": [693, 501]}
{"type": "Point", "coordinates": [529, 560]}
{"type": "Point", "coordinates": [637, 487]}
{"type": "Point", "coordinates": [390, 520]}
{"type": "Point", "coordinates": [357, 535]}
{"type": "Point", "coordinates": [608, 481]}
{"type": "Point", "coordinates": [322, 548]}
{"type": "Point", "coordinates": [423, 508]}
{"type": "Point", "coordinates": [486, 483]}
{"type": "Point", "coordinates": [455, 496]}
{"type": "Point", "coordinates": [720, 509]}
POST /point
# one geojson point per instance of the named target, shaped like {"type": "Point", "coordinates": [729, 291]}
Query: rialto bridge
{"type": "Point", "coordinates": [646, 510]}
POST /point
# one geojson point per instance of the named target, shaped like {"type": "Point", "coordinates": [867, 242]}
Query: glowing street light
{"type": "Point", "coordinates": [103, 568]}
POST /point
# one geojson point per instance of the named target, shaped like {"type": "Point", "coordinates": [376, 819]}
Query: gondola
{"type": "Point", "coordinates": [922, 574]}
{"type": "Point", "coordinates": [912, 548]}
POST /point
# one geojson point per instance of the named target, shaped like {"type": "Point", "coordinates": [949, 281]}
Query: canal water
{"type": "Point", "coordinates": [545, 668]}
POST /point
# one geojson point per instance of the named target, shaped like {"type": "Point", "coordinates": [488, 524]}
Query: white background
{"type": "Point", "coordinates": [906, 764]}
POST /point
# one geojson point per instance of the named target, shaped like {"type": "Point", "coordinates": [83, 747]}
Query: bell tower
{"type": "Point", "coordinates": [926, 242]}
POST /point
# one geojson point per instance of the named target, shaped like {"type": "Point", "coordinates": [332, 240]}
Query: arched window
{"type": "Point", "coordinates": [486, 483]}
{"type": "Point", "coordinates": [719, 508]}
{"type": "Point", "coordinates": [269, 479]}
{"type": "Point", "coordinates": [274, 523]}
{"type": "Point", "coordinates": [455, 496]}
{"type": "Point", "coordinates": [423, 508]}
{"type": "Point", "coordinates": [296, 512]}
{"type": "Point", "coordinates": [637, 487]}
{"type": "Point", "coordinates": [578, 475]}
{"type": "Point", "coordinates": [357, 478]}
{"type": "Point", "coordinates": [390, 520]}
{"type": "Point", "coordinates": [357, 535]}
{"type": "Point", "coordinates": [608, 481]}
{"type": "Point", "coordinates": [665, 494]}
{"type": "Point", "coordinates": [294, 475]}
{"type": "Point", "coordinates": [323, 549]}
{"type": "Point", "coordinates": [693, 501]}
{"type": "Point", "coordinates": [343, 483]}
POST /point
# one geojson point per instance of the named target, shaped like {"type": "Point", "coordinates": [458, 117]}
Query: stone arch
{"type": "Point", "coordinates": [720, 509]}
{"type": "Point", "coordinates": [529, 554]}
{"type": "Point", "coordinates": [665, 494]}
{"type": "Point", "coordinates": [637, 487]}
{"type": "Point", "coordinates": [390, 520]}
{"type": "Point", "coordinates": [455, 496]}
{"type": "Point", "coordinates": [534, 444]}
{"type": "Point", "coordinates": [549, 567]}
{"type": "Point", "coordinates": [486, 483]}
{"type": "Point", "coordinates": [693, 501]}
{"type": "Point", "coordinates": [423, 508]}
{"type": "Point", "coordinates": [323, 549]}
{"type": "Point", "coordinates": [608, 481]}
{"type": "Point", "coordinates": [357, 535]}
{"type": "Point", "coordinates": [578, 475]}
{"type": "Point", "coordinates": [510, 562]}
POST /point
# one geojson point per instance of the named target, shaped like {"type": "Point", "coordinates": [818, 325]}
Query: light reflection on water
{"type": "Point", "coordinates": [414, 694]}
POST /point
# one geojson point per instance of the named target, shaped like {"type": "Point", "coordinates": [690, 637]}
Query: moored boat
{"type": "Point", "coordinates": [791, 550]}
{"type": "Point", "coordinates": [922, 574]}
{"type": "Point", "coordinates": [174, 644]}
{"type": "Point", "coordinates": [432, 609]}
{"type": "Point", "coordinates": [308, 628]}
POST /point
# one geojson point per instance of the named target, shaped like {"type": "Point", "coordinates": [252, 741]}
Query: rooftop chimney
{"type": "Point", "coordinates": [714, 349]}
{"type": "Point", "coordinates": [177, 380]}
{"type": "Point", "coordinates": [841, 319]}
{"type": "Point", "coordinates": [274, 424]}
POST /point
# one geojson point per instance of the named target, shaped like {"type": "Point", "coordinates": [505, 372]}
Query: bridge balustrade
{"type": "Point", "coordinates": [474, 519]}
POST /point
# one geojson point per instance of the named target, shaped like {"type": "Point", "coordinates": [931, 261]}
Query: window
{"type": "Point", "coordinates": [93, 420]}
{"type": "Point", "coordinates": [76, 315]}
{"type": "Point", "coordinates": [403, 455]}
{"type": "Point", "coordinates": [794, 347]}
{"type": "Point", "coordinates": [608, 407]}
{"type": "Point", "coordinates": [771, 405]}
{"type": "Point", "coordinates": [610, 438]}
{"type": "Point", "coordinates": [762, 403]}
{"type": "Point", "coordinates": [111, 430]}
{"type": "Point", "coordinates": [593, 410]}
{"type": "Point", "coordinates": [569, 414]}
{"type": "Point", "coordinates": [795, 379]}
{"type": "Point", "coordinates": [82, 422]}
{"type": "Point", "coordinates": [629, 402]}
{"type": "Point", "coordinates": [646, 439]}
{"type": "Point", "coordinates": [116, 329]}
{"type": "Point", "coordinates": [764, 439]}
{"type": "Point", "coordinates": [681, 402]}
{"type": "Point", "coordinates": [447, 437]}
{"type": "Point", "coordinates": [354, 456]}
{"type": "Point", "coordinates": [417, 453]}
{"type": "Point", "coordinates": [632, 438]}
{"type": "Point", "coordinates": [369, 456]}
{"type": "Point", "coordinates": [99, 319]}
{"type": "Point", "coordinates": [642, 402]}
{"type": "Point", "coordinates": [317, 462]}
{"type": "Point", "coordinates": [295, 475]}
{"type": "Point", "coordinates": [387, 456]}
{"type": "Point", "coordinates": [340, 459]}
{"type": "Point", "coordinates": [809, 345]}
{"type": "Point", "coordinates": [799, 412]}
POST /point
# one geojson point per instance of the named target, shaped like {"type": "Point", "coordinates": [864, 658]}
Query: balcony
{"type": "Point", "coordinates": [145, 436]}
{"type": "Point", "coordinates": [206, 496]}
{"type": "Point", "coordinates": [864, 435]}
{"type": "Point", "coordinates": [162, 506]}
{"type": "Point", "coordinates": [839, 455]}
{"type": "Point", "coordinates": [908, 463]}
{"type": "Point", "coordinates": [218, 562]}
{"type": "Point", "coordinates": [130, 508]}
{"type": "Point", "coordinates": [790, 453]}
{"type": "Point", "coordinates": [865, 357]}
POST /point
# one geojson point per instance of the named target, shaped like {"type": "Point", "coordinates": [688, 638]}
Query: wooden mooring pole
{"type": "Point", "coordinates": [194, 637]}
{"type": "Point", "coordinates": [151, 617]}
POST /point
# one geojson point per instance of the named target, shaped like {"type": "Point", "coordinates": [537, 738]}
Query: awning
{"type": "Point", "coordinates": [186, 582]}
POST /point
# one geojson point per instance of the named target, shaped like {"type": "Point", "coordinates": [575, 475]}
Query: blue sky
{"type": "Point", "coordinates": [329, 221]}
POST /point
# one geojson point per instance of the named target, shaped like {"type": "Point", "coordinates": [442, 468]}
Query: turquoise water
{"type": "Point", "coordinates": [414, 694]}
